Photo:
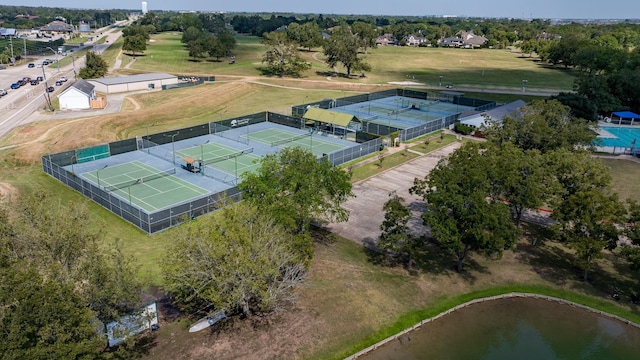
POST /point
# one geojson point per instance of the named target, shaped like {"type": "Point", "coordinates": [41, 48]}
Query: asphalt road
{"type": "Point", "coordinates": [19, 104]}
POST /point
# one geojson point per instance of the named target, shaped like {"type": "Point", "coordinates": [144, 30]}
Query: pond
{"type": "Point", "coordinates": [516, 328]}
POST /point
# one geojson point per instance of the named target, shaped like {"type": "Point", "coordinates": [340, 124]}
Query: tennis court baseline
{"type": "Point", "coordinates": [145, 186]}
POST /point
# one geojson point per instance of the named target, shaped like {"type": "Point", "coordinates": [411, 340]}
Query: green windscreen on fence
{"type": "Point", "coordinates": [92, 153]}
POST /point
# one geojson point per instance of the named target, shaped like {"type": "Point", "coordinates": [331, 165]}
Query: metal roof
{"type": "Point", "coordinates": [116, 80]}
{"type": "Point", "coordinates": [81, 85]}
{"type": "Point", "coordinates": [495, 114]}
{"type": "Point", "coordinates": [328, 116]}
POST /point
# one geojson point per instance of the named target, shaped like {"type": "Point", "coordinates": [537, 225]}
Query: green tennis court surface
{"type": "Point", "coordinates": [282, 139]}
{"type": "Point", "coordinates": [145, 186]}
{"type": "Point", "coordinates": [231, 161]}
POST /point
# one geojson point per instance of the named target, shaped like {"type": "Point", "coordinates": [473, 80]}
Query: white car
{"type": "Point", "coordinates": [3, 92]}
{"type": "Point", "coordinates": [63, 79]}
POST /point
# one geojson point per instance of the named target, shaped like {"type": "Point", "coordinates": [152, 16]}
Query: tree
{"type": "Point", "coordinates": [342, 47]}
{"type": "Point", "coordinates": [366, 34]}
{"type": "Point", "coordinates": [282, 56]}
{"type": "Point", "coordinates": [395, 236]}
{"type": "Point", "coordinates": [581, 106]}
{"type": "Point", "coordinates": [459, 211]}
{"type": "Point", "coordinates": [307, 35]}
{"type": "Point", "coordinates": [61, 243]}
{"type": "Point", "coordinates": [297, 188]}
{"type": "Point", "coordinates": [542, 125]}
{"type": "Point", "coordinates": [190, 34]}
{"type": "Point", "coordinates": [196, 48]}
{"type": "Point", "coordinates": [520, 177]}
{"type": "Point", "coordinates": [239, 260]}
{"type": "Point", "coordinates": [590, 225]}
{"type": "Point", "coordinates": [95, 67]}
{"type": "Point", "coordinates": [632, 232]}
{"type": "Point", "coordinates": [56, 278]}
{"type": "Point", "coordinates": [134, 43]}
{"type": "Point", "coordinates": [42, 318]}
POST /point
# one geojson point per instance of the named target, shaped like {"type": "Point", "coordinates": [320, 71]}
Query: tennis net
{"type": "Point", "coordinates": [227, 157]}
{"type": "Point", "coordinates": [288, 140]}
{"type": "Point", "coordinates": [143, 179]}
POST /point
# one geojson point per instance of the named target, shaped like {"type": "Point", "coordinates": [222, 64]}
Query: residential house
{"type": "Point", "coordinates": [415, 40]}
{"type": "Point", "coordinates": [472, 40]}
{"type": "Point", "coordinates": [386, 39]}
{"type": "Point", "coordinates": [453, 41]}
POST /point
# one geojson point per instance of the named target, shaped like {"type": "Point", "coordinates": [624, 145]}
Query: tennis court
{"type": "Point", "coordinates": [227, 159]}
{"type": "Point", "coordinates": [402, 112]}
{"type": "Point", "coordinates": [143, 185]}
{"type": "Point", "coordinates": [281, 138]}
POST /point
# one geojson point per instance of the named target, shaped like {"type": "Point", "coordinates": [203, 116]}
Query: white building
{"type": "Point", "coordinates": [117, 84]}
{"type": "Point", "coordinates": [78, 96]}
{"type": "Point", "coordinates": [144, 7]}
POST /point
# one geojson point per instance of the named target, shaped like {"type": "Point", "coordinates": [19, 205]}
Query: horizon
{"type": "Point", "coordinates": [500, 9]}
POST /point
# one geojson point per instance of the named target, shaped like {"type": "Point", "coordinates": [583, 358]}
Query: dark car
{"type": "Point", "coordinates": [15, 85]}
{"type": "Point", "coordinates": [45, 62]}
{"type": "Point", "coordinates": [58, 83]}
{"type": "Point", "coordinates": [34, 82]}
{"type": "Point", "coordinates": [51, 89]}
{"type": "Point", "coordinates": [31, 65]}
{"type": "Point", "coordinates": [22, 82]}
{"type": "Point", "coordinates": [40, 78]}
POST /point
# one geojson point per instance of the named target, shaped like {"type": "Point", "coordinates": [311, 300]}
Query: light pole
{"type": "Point", "coordinates": [49, 151]}
{"type": "Point", "coordinates": [129, 190]}
{"type": "Point", "coordinates": [440, 84]}
{"type": "Point", "coordinates": [98, 174]}
{"type": "Point", "coordinates": [524, 84]}
{"type": "Point", "coordinates": [173, 146]}
{"type": "Point", "coordinates": [56, 54]}
{"type": "Point", "coordinates": [202, 157]}
{"type": "Point", "coordinates": [73, 159]}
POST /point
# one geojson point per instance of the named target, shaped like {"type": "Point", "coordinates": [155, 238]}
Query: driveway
{"type": "Point", "coordinates": [366, 214]}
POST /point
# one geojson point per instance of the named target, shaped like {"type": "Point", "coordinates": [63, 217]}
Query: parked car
{"type": "Point", "coordinates": [63, 79]}
{"type": "Point", "coordinates": [51, 89]}
{"type": "Point", "coordinates": [31, 65]}
{"type": "Point", "coordinates": [34, 82]}
{"type": "Point", "coordinates": [26, 79]}
{"type": "Point", "coordinates": [21, 83]}
{"type": "Point", "coordinates": [58, 83]}
{"type": "Point", "coordinates": [3, 92]}
{"type": "Point", "coordinates": [45, 62]}
{"type": "Point", "coordinates": [40, 78]}
{"type": "Point", "coordinates": [15, 85]}
{"type": "Point", "coordinates": [39, 65]}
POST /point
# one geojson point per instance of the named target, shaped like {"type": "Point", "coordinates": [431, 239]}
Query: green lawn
{"type": "Point", "coordinates": [479, 68]}
{"type": "Point", "coordinates": [625, 176]}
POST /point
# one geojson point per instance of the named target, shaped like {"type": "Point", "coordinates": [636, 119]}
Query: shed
{"type": "Point", "coordinates": [118, 84]}
{"type": "Point", "coordinates": [333, 122]}
{"type": "Point", "coordinates": [77, 96]}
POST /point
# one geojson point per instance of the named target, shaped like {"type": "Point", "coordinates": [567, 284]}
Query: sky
{"type": "Point", "coordinates": [546, 9]}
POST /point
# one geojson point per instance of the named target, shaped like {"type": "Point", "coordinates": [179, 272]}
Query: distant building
{"type": "Point", "coordinates": [58, 27]}
{"type": "Point", "coordinates": [144, 7]}
{"type": "Point", "coordinates": [118, 84]}
{"type": "Point", "coordinates": [84, 27]}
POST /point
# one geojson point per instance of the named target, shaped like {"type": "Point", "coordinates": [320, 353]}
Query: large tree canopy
{"type": "Point", "coordinates": [238, 260]}
{"type": "Point", "coordinates": [282, 56]}
{"type": "Point", "coordinates": [56, 278]}
{"type": "Point", "coordinates": [342, 47]}
{"type": "Point", "coordinates": [297, 188]}
{"type": "Point", "coordinates": [460, 212]}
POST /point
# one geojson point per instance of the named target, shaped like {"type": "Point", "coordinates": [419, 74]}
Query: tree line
{"type": "Point", "coordinates": [474, 200]}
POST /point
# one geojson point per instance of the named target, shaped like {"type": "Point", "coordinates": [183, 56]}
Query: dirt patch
{"type": "Point", "coordinates": [7, 192]}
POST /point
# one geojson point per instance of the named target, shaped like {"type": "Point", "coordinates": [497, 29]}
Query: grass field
{"type": "Point", "coordinates": [479, 68]}
{"type": "Point", "coordinates": [351, 298]}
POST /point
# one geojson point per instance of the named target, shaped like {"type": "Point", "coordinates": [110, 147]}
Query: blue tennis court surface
{"type": "Point", "coordinates": [619, 136]}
